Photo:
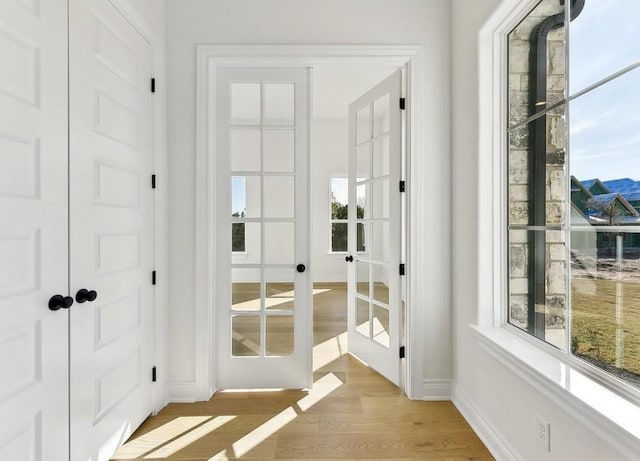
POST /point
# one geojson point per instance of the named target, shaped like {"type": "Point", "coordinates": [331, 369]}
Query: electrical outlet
{"type": "Point", "coordinates": [542, 433]}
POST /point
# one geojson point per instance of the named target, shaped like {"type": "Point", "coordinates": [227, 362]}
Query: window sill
{"type": "Point", "coordinates": [602, 410]}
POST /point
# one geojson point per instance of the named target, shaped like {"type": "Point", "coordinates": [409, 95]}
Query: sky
{"type": "Point", "coordinates": [340, 189]}
{"type": "Point", "coordinates": [238, 194]}
{"type": "Point", "coordinates": [605, 122]}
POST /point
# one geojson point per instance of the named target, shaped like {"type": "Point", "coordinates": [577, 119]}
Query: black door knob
{"type": "Point", "coordinates": [349, 259]}
{"type": "Point", "coordinates": [301, 268]}
{"type": "Point", "coordinates": [58, 302]}
{"type": "Point", "coordinates": [84, 295]}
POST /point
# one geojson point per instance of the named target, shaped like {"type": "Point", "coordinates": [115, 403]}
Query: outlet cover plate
{"type": "Point", "coordinates": [542, 433]}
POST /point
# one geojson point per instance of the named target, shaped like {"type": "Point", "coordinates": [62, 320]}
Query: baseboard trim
{"type": "Point", "coordinates": [436, 389]}
{"type": "Point", "coordinates": [492, 439]}
{"type": "Point", "coordinates": [182, 391]}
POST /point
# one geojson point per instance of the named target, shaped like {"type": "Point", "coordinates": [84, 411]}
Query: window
{"type": "Point", "coordinates": [238, 211]}
{"type": "Point", "coordinates": [339, 206]}
{"type": "Point", "coordinates": [573, 174]}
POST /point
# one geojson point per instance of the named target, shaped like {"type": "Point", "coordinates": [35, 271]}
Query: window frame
{"type": "Point", "coordinates": [340, 221]}
{"type": "Point", "coordinates": [493, 202]}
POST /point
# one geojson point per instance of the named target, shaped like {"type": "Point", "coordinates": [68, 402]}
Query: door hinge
{"type": "Point", "coordinates": [402, 103]}
{"type": "Point", "coordinates": [154, 377]}
{"type": "Point", "coordinates": [403, 186]}
{"type": "Point", "coordinates": [153, 85]}
{"type": "Point", "coordinates": [401, 269]}
{"type": "Point", "coordinates": [401, 353]}
{"type": "Point", "coordinates": [153, 181]}
{"type": "Point", "coordinates": [153, 278]}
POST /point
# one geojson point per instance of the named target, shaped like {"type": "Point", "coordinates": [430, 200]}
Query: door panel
{"type": "Point", "coordinates": [111, 228]}
{"type": "Point", "coordinates": [33, 230]}
{"type": "Point", "coordinates": [263, 316]}
{"type": "Point", "coordinates": [375, 157]}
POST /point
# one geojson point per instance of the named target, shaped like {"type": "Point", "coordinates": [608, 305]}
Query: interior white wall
{"type": "Point", "coordinates": [329, 158]}
{"type": "Point", "coordinates": [421, 22]}
{"type": "Point", "coordinates": [502, 403]}
{"type": "Point", "coordinates": [152, 12]}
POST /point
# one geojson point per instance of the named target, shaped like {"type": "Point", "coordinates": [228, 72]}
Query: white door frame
{"type": "Point", "coordinates": [161, 308]}
{"type": "Point", "coordinates": [209, 58]}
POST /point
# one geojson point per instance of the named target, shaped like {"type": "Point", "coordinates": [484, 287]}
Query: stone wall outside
{"type": "Point", "coordinates": [520, 152]}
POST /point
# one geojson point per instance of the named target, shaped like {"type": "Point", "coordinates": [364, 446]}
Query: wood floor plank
{"type": "Point", "coordinates": [354, 413]}
{"type": "Point", "coordinates": [390, 446]}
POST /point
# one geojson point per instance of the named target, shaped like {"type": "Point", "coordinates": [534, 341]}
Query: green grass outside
{"type": "Point", "coordinates": [594, 326]}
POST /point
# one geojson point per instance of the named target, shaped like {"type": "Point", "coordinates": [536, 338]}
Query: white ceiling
{"type": "Point", "coordinates": [334, 88]}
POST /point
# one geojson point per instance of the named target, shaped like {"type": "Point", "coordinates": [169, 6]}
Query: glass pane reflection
{"type": "Point", "coordinates": [605, 295]}
{"type": "Point", "coordinates": [245, 335]}
{"type": "Point", "coordinates": [280, 335]}
{"type": "Point", "coordinates": [362, 317]}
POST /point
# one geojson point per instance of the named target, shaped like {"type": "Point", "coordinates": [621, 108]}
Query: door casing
{"type": "Point", "coordinates": [211, 57]}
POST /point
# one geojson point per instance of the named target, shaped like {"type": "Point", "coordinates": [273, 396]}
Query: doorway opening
{"type": "Point", "coordinates": [335, 87]}
{"type": "Point", "coordinates": [212, 217]}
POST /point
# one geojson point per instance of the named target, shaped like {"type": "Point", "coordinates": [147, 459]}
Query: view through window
{"type": "Point", "coordinates": [574, 180]}
{"type": "Point", "coordinates": [339, 196]}
{"type": "Point", "coordinates": [238, 210]}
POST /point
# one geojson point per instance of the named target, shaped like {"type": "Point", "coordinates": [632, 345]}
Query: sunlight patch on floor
{"type": "Point", "coordinates": [321, 388]}
{"type": "Point", "coordinates": [222, 456]}
{"type": "Point", "coordinates": [329, 350]}
{"type": "Point", "coordinates": [254, 438]}
{"type": "Point", "coordinates": [153, 439]}
{"type": "Point", "coordinates": [115, 440]}
{"type": "Point", "coordinates": [187, 439]}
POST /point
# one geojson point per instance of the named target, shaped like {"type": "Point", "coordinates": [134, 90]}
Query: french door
{"type": "Point", "coordinates": [375, 158]}
{"type": "Point", "coordinates": [263, 318]}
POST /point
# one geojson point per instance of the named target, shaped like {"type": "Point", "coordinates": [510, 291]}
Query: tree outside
{"type": "Point", "coordinates": [237, 233]}
{"type": "Point", "coordinates": [340, 230]}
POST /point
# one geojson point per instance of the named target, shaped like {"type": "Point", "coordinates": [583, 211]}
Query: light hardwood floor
{"type": "Point", "coordinates": [351, 413]}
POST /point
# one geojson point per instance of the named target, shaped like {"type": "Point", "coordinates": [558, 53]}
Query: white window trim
{"type": "Point", "coordinates": [610, 407]}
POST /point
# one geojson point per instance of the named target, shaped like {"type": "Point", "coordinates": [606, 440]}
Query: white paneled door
{"type": "Point", "coordinates": [263, 309]}
{"type": "Point", "coordinates": [375, 158]}
{"type": "Point", "coordinates": [111, 222]}
{"type": "Point", "coordinates": [33, 230]}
